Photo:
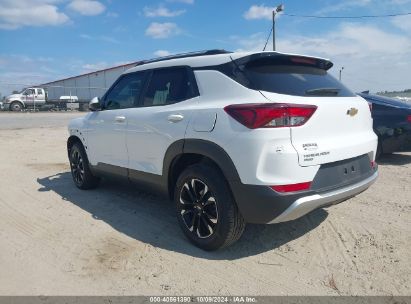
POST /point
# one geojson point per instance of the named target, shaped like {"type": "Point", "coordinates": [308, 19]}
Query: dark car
{"type": "Point", "coordinates": [392, 123]}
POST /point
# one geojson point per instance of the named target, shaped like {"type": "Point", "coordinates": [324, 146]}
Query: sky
{"type": "Point", "coordinates": [45, 40]}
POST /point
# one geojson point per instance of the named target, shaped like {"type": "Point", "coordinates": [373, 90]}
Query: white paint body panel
{"type": "Point", "coordinates": [336, 134]}
{"type": "Point", "coordinates": [150, 133]}
{"type": "Point", "coordinates": [204, 121]}
{"type": "Point", "coordinates": [106, 138]}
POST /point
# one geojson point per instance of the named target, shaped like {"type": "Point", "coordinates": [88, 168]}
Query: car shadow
{"type": "Point", "coordinates": [394, 159]}
{"type": "Point", "coordinates": [152, 220]}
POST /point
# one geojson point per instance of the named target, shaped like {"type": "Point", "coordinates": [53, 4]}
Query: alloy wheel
{"type": "Point", "coordinates": [77, 167]}
{"type": "Point", "coordinates": [198, 208]}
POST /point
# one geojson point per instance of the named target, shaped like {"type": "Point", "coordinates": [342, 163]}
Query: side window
{"type": "Point", "coordinates": [125, 93]}
{"type": "Point", "coordinates": [29, 92]}
{"type": "Point", "coordinates": [168, 86]}
{"type": "Point", "coordinates": [39, 92]}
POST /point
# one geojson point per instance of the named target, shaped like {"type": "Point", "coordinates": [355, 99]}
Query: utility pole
{"type": "Point", "coordinates": [274, 31]}
{"type": "Point", "coordinates": [278, 9]}
{"type": "Point", "coordinates": [342, 69]}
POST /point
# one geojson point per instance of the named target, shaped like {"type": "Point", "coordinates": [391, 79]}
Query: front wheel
{"type": "Point", "coordinates": [80, 170]}
{"type": "Point", "coordinates": [206, 210]}
{"type": "Point", "coordinates": [16, 106]}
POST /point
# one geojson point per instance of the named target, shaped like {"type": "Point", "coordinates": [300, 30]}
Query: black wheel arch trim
{"type": "Point", "coordinates": [201, 147]}
{"type": "Point", "coordinates": [245, 202]}
{"type": "Point", "coordinates": [71, 140]}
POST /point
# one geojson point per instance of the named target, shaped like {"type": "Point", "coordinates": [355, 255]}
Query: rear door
{"type": "Point", "coordinates": [40, 96]}
{"type": "Point", "coordinates": [340, 128]}
{"type": "Point", "coordinates": [161, 118]}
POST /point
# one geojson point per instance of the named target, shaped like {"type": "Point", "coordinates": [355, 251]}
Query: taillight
{"type": "Point", "coordinates": [292, 187]}
{"type": "Point", "coordinates": [271, 115]}
{"type": "Point", "coordinates": [409, 118]}
{"type": "Point", "coordinates": [370, 106]}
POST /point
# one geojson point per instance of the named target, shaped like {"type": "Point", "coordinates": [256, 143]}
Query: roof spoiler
{"type": "Point", "coordinates": [286, 59]}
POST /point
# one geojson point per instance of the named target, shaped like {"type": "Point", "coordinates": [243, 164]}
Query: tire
{"type": "Point", "coordinates": [16, 106]}
{"type": "Point", "coordinates": [379, 150]}
{"type": "Point", "coordinates": [206, 210]}
{"type": "Point", "coordinates": [80, 170]}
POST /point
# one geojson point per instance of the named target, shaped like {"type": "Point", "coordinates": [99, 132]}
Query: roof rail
{"type": "Point", "coordinates": [185, 55]}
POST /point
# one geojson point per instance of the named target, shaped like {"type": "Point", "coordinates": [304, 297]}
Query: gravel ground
{"type": "Point", "coordinates": [25, 120]}
{"type": "Point", "coordinates": [118, 240]}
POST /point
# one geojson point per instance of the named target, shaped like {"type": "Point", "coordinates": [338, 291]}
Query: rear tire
{"type": "Point", "coordinates": [16, 106]}
{"type": "Point", "coordinates": [206, 210]}
{"type": "Point", "coordinates": [80, 168]}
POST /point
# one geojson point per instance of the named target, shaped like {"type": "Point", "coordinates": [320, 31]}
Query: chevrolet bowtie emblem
{"type": "Point", "coordinates": [352, 112]}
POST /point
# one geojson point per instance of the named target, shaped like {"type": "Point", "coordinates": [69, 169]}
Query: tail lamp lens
{"type": "Point", "coordinates": [276, 115]}
{"type": "Point", "coordinates": [409, 118]}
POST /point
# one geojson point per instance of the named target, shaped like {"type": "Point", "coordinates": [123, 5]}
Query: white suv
{"type": "Point", "coordinates": [231, 138]}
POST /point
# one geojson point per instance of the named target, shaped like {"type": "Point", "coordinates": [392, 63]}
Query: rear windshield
{"type": "Point", "coordinates": [298, 76]}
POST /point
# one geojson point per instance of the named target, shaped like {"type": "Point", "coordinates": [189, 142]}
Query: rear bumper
{"type": "Point", "coordinates": [262, 205]}
{"type": "Point", "coordinates": [304, 205]}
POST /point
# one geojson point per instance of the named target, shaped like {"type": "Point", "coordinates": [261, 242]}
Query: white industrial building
{"type": "Point", "coordinates": [85, 86]}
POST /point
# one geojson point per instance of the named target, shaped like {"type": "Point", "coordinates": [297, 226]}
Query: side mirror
{"type": "Point", "coordinates": [95, 104]}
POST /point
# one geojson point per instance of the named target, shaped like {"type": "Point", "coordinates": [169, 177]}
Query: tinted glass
{"type": "Point", "coordinates": [39, 92]}
{"type": "Point", "coordinates": [295, 80]}
{"type": "Point", "coordinates": [286, 75]}
{"type": "Point", "coordinates": [125, 93]}
{"type": "Point", "coordinates": [168, 86]}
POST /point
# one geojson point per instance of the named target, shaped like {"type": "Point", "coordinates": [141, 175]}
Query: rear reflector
{"type": "Point", "coordinates": [292, 187]}
{"type": "Point", "coordinates": [373, 164]}
{"type": "Point", "coordinates": [409, 118]}
{"type": "Point", "coordinates": [271, 115]}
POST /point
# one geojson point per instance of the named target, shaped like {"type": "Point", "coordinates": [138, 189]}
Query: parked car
{"type": "Point", "coordinates": [392, 123]}
{"type": "Point", "coordinates": [231, 138]}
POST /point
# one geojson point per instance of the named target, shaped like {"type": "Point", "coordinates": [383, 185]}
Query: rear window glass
{"type": "Point", "coordinates": [296, 76]}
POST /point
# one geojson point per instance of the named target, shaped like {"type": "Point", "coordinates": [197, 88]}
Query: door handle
{"type": "Point", "coordinates": [120, 119]}
{"type": "Point", "coordinates": [175, 118]}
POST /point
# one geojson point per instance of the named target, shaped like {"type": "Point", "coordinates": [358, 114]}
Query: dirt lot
{"type": "Point", "coordinates": [117, 240]}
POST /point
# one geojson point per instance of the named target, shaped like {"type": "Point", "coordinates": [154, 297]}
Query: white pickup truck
{"type": "Point", "coordinates": [36, 98]}
{"type": "Point", "coordinates": [29, 97]}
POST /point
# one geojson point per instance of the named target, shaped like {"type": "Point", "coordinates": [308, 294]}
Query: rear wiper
{"type": "Point", "coordinates": [323, 91]}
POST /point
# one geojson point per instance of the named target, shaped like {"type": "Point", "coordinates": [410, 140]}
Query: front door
{"type": "Point", "coordinates": [29, 97]}
{"type": "Point", "coordinates": [106, 138]}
